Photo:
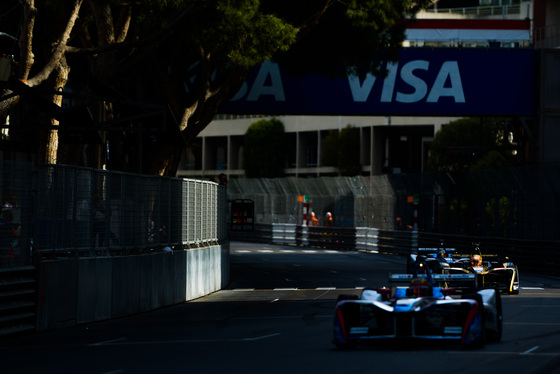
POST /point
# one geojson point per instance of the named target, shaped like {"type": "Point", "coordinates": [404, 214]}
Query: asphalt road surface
{"type": "Point", "coordinates": [276, 317]}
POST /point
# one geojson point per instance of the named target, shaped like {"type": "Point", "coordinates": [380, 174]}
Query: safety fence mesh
{"type": "Point", "coordinates": [58, 210]}
{"type": "Point", "coordinates": [517, 202]}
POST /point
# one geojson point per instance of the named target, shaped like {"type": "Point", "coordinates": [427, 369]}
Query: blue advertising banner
{"type": "Point", "coordinates": [431, 82]}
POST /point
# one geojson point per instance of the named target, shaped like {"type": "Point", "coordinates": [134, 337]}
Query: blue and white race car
{"type": "Point", "coordinates": [420, 311]}
{"type": "Point", "coordinates": [438, 259]}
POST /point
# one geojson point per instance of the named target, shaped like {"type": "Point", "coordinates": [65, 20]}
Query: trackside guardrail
{"type": "Point", "coordinates": [528, 255]}
{"type": "Point", "coordinates": [348, 238]}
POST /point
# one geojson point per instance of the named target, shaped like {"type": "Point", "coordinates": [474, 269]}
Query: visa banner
{"type": "Point", "coordinates": [425, 81]}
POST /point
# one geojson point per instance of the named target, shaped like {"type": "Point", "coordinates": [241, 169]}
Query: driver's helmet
{"type": "Point", "coordinates": [420, 286]}
{"type": "Point", "coordinates": [441, 252]}
{"type": "Point", "coordinates": [476, 260]}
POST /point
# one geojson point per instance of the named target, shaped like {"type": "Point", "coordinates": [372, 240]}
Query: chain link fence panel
{"type": "Point", "coordinates": [517, 202]}
{"type": "Point", "coordinates": [52, 211]}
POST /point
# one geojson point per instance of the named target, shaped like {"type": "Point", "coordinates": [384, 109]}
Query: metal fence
{"type": "Point", "coordinates": [484, 10]}
{"type": "Point", "coordinates": [547, 36]}
{"type": "Point", "coordinates": [520, 203]}
{"type": "Point", "coordinates": [529, 255]}
{"type": "Point", "coordinates": [354, 201]}
{"type": "Point", "coordinates": [57, 210]}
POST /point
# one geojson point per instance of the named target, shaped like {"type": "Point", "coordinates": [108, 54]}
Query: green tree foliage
{"type": "Point", "coordinates": [499, 212]}
{"type": "Point", "coordinates": [190, 56]}
{"type": "Point", "coordinates": [469, 143]}
{"type": "Point", "coordinates": [264, 146]}
{"type": "Point", "coordinates": [329, 152]}
{"type": "Point", "coordinates": [341, 149]}
{"type": "Point", "coordinates": [349, 37]}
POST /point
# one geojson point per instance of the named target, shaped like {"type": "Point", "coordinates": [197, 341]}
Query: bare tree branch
{"type": "Point", "coordinates": [119, 43]}
{"type": "Point", "coordinates": [123, 24]}
{"type": "Point", "coordinates": [26, 39]}
{"type": "Point", "coordinates": [312, 20]}
{"type": "Point", "coordinates": [59, 50]}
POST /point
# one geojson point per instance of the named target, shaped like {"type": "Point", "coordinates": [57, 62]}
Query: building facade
{"type": "Point", "coordinates": [387, 145]}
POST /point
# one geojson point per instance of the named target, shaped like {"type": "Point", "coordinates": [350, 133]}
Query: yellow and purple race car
{"type": "Point", "coordinates": [492, 270]}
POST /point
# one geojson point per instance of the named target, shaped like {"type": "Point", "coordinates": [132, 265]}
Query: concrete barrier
{"type": "Point", "coordinates": [82, 290]}
{"type": "Point", "coordinates": [94, 278]}
{"type": "Point", "coordinates": [58, 290]}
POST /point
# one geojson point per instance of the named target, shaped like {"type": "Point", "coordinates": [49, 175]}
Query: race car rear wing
{"type": "Point", "coordinates": [404, 278]}
{"type": "Point", "coordinates": [460, 281]}
{"type": "Point", "coordinates": [433, 252]}
{"type": "Point", "coordinates": [436, 249]}
{"type": "Point", "coordinates": [492, 257]}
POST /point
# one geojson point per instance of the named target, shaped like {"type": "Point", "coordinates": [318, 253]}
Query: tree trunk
{"type": "Point", "coordinates": [48, 138]}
